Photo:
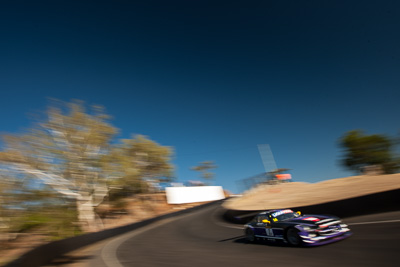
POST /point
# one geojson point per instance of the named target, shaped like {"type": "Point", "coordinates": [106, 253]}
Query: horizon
{"type": "Point", "coordinates": [213, 80]}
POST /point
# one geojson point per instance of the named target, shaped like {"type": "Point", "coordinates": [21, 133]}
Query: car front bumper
{"type": "Point", "coordinates": [326, 239]}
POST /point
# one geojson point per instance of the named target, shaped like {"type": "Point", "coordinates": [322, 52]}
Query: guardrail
{"type": "Point", "coordinates": [368, 204]}
{"type": "Point", "coordinates": [44, 254]}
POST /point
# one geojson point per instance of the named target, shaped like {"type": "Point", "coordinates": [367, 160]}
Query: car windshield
{"type": "Point", "coordinates": [284, 215]}
{"type": "Point", "coordinates": [287, 216]}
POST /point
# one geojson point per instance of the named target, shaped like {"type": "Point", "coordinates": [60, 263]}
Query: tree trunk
{"type": "Point", "coordinates": [87, 217]}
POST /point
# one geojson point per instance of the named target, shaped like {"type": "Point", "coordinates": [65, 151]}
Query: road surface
{"type": "Point", "coordinates": [202, 238]}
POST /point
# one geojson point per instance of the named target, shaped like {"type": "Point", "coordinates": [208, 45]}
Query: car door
{"type": "Point", "coordinates": [276, 228]}
{"type": "Point", "coordinates": [270, 230]}
{"type": "Point", "coordinates": [260, 226]}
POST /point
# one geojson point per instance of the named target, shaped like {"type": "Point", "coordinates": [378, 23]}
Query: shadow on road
{"type": "Point", "coordinates": [273, 243]}
{"type": "Point", "coordinates": [232, 238]}
{"type": "Point", "coordinates": [67, 259]}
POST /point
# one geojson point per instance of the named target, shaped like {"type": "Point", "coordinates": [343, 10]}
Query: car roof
{"type": "Point", "coordinates": [269, 211]}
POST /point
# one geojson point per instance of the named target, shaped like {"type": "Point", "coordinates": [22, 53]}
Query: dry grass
{"type": "Point", "coordinates": [303, 194]}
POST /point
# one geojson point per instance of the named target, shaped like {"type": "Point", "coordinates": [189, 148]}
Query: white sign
{"type": "Point", "coordinates": [180, 195]}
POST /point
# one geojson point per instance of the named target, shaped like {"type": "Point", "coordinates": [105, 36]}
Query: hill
{"type": "Point", "coordinates": [292, 194]}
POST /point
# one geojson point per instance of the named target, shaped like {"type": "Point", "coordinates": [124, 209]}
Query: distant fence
{"type": "Point", "coordinates": [262, 178]}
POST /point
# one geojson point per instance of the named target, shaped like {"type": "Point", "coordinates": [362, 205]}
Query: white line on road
{"type": "Point", "coordinates": [109, 251]}
{"type": "Point", "coordinates": [389, 221]}
{"type": "Point", "coordinates": [213, 218]}
{"type": "Point", "coordinates": [241, 227]}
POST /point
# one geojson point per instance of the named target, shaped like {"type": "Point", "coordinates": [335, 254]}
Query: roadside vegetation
{"type": "Point", "coordinates": [55, 176]}
{"type": "Point", "coordinates": [365, 154]}
{"type": "Point", "coordinates": [204, 169]}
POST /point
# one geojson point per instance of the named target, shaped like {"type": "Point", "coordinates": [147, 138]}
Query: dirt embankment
{"type": "Point", "coordinates": [304, 194]}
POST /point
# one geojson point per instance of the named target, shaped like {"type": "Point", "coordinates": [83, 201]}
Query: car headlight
{"type": "Point", "coordinates": [308, 228]}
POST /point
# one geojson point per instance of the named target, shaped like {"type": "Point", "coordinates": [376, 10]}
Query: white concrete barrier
{"type": "Point", "coordinates": [181, 195]}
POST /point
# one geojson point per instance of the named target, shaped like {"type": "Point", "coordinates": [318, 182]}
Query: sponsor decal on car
{"type": "Point", "coordinates": [281, 212]}
{"type": "Point", "coordinates": [313, 219]}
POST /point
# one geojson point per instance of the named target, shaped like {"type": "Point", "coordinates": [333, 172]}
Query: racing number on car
{"type": "Point", "coordinates": [269, 232]}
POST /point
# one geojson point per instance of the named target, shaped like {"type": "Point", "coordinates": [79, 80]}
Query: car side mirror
{"type": "Point", "coordinates": [266, 221]}
{"type": "Point", "coordinates": [298, 212]}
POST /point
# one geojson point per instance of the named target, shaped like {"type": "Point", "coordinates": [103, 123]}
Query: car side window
{"type": "Point", "coordinates": [261, 218]}
{"type": "Point", "coordinates": [272, 219]}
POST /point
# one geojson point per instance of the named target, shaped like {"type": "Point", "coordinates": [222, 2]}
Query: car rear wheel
{"type": "Point", "coordinates": [292, 237]}
{"type": "Point", "coordinates": [250, 235]}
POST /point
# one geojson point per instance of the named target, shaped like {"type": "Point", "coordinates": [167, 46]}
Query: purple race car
{"type": "Point", "coordinates": [296, 229]}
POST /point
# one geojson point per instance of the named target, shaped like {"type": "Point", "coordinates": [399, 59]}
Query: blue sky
{"type": "Point", "coordinates": [213, 79]}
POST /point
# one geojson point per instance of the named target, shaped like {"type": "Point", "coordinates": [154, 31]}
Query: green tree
{"type": "Point", "coordinates": [71, 151]}
{"type": "Point", "coordinates": [64, 151]}
{"type": "Point", "coordinates": [204, 169]}
{"type": "Point", "coordinates": [138, 163]}
{"type": "Point", "coordinates": [7, 199]}
{"type": "Point", "coordinates": [362, 150]}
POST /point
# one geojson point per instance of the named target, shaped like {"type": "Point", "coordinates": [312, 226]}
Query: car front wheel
{"type": "Point", "coordinates": [292, 237]}
{"type": "Point", "coordinates": [250, 235]}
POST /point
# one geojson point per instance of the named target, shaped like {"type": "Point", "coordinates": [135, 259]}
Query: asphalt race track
{"type": "Point", "coordinates": [202, 239]}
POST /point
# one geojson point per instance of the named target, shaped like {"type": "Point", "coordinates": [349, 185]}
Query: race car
{"type": "Point", "coordinates": [296, 229]}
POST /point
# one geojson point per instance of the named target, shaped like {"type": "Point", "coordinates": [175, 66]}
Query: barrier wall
{"type": "Point", "coordinates": [44, 254]}
{"type": "Point", "coordinates": [368, 204]}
